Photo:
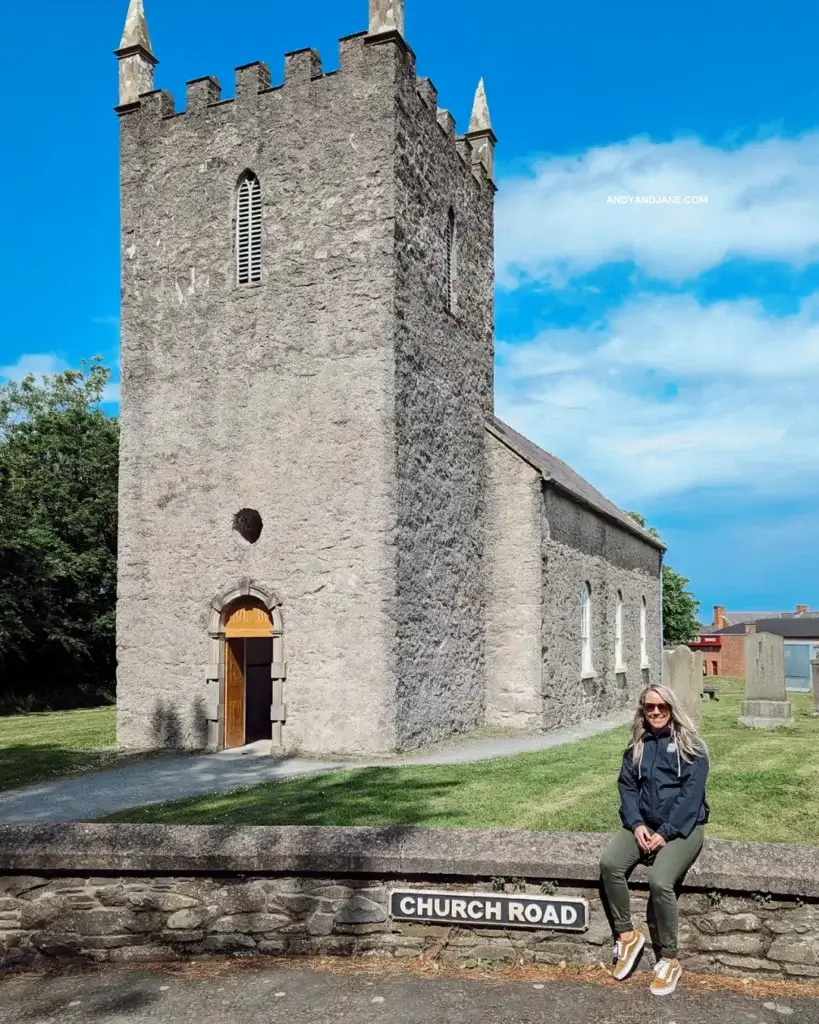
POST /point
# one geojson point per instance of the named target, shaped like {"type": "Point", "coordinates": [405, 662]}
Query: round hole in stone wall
{"type": "Point", "coordinates": [248, 524]}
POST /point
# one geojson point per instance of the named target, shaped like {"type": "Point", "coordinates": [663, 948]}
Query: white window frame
{"type": "Point", "coordinates": [586, 658]}
{"type": "Point", "coordinates": [644, 663]}
{"type": "Point", "coordinates": [248, 230]}
{"type": "Point", "coordinates": [619, 661]}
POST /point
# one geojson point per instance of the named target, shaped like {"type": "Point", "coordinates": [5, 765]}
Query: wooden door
{"type": "Point", "coordinates": [234, 693]}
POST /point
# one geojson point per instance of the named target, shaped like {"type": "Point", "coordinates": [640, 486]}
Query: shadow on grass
{"type": "Point", "coordinates": [25, 764]}
{"type": "Point", "coordinates": [366, 796]}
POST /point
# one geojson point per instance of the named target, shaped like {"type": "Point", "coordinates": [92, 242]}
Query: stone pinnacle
{"type": "Point", "coordinates": [136, 27]}
{"type": "Point", "coordinates": [386, 16]}
{"type": "Point", "coordinates": [480, 121]}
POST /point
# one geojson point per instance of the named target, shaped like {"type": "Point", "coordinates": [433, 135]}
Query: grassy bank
{"type": "Point", "coordinates": [36, 748]}
{"type": "Point", "coordinates": [764, 786]}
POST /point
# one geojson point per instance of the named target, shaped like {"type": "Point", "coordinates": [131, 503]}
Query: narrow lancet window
{"type": "Point", "coordinates": [586, 664]}
{"type": "Point", "coordinates": [619, 664]}
{"type": "Point", "coordinates": [249, 230]}
{"type": "Point", "coordinates": [451, 262]}
{"type": "Point", "coordinates": [643, 634]}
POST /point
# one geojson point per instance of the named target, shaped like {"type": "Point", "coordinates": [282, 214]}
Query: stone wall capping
{"type": "Point", "coordinates": [395, 851]}
{"type": "Point", "coordinates": [151, 892]}
{"type": "Point", "coordinates": [354, 35]}
{"type": "Point", "coordinates": [390, 36]}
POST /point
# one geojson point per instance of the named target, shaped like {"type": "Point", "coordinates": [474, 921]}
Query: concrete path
{"type": "Point", "coordinates": [241, 992]}
{"type": "Point", "coordinates": [93, 796]}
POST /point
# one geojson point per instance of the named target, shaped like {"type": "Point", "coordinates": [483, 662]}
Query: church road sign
{"type": "Point", "coordinates": [431, 906]}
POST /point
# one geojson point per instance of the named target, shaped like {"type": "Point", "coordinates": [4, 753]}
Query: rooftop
{"type": "Point", "coordinates": [791, 627]}
{"type": "Point", "coordinates": [557, 472]}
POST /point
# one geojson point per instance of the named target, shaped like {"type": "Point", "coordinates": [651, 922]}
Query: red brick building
{"type": "Point", "coordinates": [723, 644]}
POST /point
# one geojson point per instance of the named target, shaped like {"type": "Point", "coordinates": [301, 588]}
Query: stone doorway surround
{"type": "Point", "coordinates": [220, 608]}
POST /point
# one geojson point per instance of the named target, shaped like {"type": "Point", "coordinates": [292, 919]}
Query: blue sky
{"type": "Point", "coordinates": [671, 353]}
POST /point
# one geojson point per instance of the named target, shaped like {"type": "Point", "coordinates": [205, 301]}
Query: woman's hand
{"type": "Point", "coordinates": [656, 843]}
{"type": "Point", "coordinates": [644, 838]}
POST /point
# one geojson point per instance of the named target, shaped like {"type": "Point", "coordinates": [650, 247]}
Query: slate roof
{"type": "Point", "coordinates": [735, 618]}
{"type": "Point", "coordinates": [791, 627]}
{"type": "Point", "coordinates": [557, 472]}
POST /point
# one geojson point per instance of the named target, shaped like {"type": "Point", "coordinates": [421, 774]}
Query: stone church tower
{"type": "Point", "coordinates": [328, 542]}
{"type": "Point", "coordinates": [307, 367]}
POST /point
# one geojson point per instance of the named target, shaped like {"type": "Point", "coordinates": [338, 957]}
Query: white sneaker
{"type": "Point", "coordinates": [626, 954]}
{"type": "Point", "coordinates": [666, 975]}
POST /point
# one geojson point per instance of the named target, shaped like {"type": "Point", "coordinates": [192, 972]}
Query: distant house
{"type": "Point", "coordinates": [722, 644]}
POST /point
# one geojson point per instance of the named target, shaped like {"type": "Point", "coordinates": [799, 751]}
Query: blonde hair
{"type": "Point", "coordinates": [690, 745]}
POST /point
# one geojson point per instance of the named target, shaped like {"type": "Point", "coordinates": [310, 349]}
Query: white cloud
{"type": "Point", "coordinates": [676, 335]}
{"type": "Point", "coordinates": [38, 364]}
{"type": "Point", "coordinates": [762, 204]}
{"type": "Point", "coordinates": [670, 395]}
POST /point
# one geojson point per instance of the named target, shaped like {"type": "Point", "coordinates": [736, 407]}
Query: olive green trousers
{"type": "Point", "coordinates": [666, 868]}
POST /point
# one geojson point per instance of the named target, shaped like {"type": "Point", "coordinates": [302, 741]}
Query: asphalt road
{"type": "Point", "coordinates": [231, 995]}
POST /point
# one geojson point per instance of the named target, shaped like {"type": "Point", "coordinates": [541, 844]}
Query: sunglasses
{"type": "Point", "coordinates": [661, 708]}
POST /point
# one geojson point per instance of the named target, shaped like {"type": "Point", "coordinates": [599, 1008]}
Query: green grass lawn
{"type": "Point", "coordinates": [764, 786]}
{"type": "Point", "coordinates": [35, 748]}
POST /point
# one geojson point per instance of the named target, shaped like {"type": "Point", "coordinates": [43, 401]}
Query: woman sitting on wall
{"type": "Point", "coordinates": [664, 812]}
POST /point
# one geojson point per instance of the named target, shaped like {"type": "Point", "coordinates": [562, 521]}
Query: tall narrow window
{"type": "Point", "coordinates": [451, 262]}
{"type": "Point", "coordinates": [619, 664]}
{"type": "Point", "coordinates": [643, 635]}
{"type": "Point", "coordinates": [249, 230]}
{"type": "Point", "coordinates": [586, 666]}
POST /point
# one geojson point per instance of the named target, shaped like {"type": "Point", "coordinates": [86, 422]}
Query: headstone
{"type": "Point", "coordinates": [814, 669]}
{"type": "Point", "coordinates": [682, 674]}
{"type": "Point", "coordinates": [766, 704]}
{"type": "Point", "coordinates": [699, 668]}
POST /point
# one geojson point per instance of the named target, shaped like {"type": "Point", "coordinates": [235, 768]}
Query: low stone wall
{"type": "Point", "coordinates": [126, 892]}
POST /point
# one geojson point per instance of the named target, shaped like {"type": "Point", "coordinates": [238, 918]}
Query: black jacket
{"type": "Point", "coordinates": [663, 792]}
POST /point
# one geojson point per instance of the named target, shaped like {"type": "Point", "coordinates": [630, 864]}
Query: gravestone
{"type": "Point", "coordinates": [766, 705]}
{"type": "Point", "coordinates": [814, 669]}
{"type": "Point", "coordinates": [682, 674]}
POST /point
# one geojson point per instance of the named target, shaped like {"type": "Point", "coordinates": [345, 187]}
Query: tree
{"type": "Point", "coordinates": [680, 606]}
{"type": "Point", "coordinates": [58, 540]}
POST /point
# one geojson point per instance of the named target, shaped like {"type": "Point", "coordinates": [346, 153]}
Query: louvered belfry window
{"type": "Point", "coordinates": [451, 262]}
{"type": "Point", "coordinates": [249, 230]}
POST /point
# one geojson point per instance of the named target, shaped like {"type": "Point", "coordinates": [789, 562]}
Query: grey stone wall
{"type": "Point", "coordinates": [746, 910]}
{"type": "Point", "coordinates": [580, 546]}
{"type": "Point", "coordinates": [443, 397]}
{"type": "Point", "coordinates": [161, 918]}
{"type": "Point", "coordinates": [337, 397]}
{"type": "Point", "coordinates": [514, 523]}
{"type": "Point", "coordinates": [277, 397]}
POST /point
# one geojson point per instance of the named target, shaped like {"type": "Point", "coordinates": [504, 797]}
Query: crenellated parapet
{"type": "Point", "coordinates": [202, 93]}
{"type": "Point", "coordinates": [359, 55]}
{"type": "Point", "coordinates": [252, 79]}
{"type": "Point", "coordinates": [301, 67]}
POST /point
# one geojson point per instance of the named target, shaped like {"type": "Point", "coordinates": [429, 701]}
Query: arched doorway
{"type": "Point", "coordinates": [246, 668]}
{"type": "Point", "coordinates": [248, 632]}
